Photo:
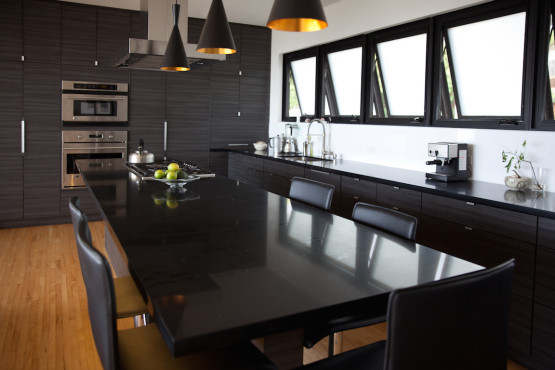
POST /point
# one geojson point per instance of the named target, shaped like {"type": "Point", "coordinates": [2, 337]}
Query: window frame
{"type": "Point", "coordinates": [481, 13]}
{"type": "Point", "coordinates": [287, 59]}
{"type": "Point", "coordinates": [324, 50]}
{"type": "Point", "coordinates": [390, 34]}
{"type": "Point", "coordinates": [545, 13]}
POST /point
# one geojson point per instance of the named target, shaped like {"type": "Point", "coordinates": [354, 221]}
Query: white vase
{"type": "Point", "coordinates": [516, 183]}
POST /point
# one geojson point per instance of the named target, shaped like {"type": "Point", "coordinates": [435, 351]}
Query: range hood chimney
{"type": "Point", "coordinates": [148, 54]}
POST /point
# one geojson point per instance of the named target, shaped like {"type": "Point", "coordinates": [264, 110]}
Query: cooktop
{"type": "Point", "coordinates": [146, 170]}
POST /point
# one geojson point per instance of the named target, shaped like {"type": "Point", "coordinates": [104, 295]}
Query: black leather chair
{"type": "Point", "coordinates": [389, 220]}
{"type": "Point", "coordinates": [129, 301]}
{"type": "Point", "coordinates": [315, 193]}
{"type": "Point", "coordinates": [144, 348]}
{"type": "Point", "coordinates": [385, 219]}
{"type": "Point", "coordinates": [457, 323]}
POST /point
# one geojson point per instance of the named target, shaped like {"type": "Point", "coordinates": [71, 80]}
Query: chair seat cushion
{"type": "Point", "coordinates": [368, 357]}
{"type": "Point", "coordinates": [129, 301]}
{"type": "Point", "coordinates": [144, 348]}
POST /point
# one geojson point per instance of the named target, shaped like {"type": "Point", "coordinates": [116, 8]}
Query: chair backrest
{"type": "Point", "coordinates": [458, 323]}
{"type": "Point", "coordinates": [77, 214]}
{"type": "Point", "coordinates": [100, 298]}
{"type": "Point", "coordinates": [385, 219]}
{"type": "Point", "coordinates": [315, 193]}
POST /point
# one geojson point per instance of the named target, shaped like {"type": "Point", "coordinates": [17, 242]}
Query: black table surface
{"type": "Point", "coordinates": [225, 261]}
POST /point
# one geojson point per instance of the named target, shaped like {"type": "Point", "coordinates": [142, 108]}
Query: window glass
{"type": "Point", "coordinates": [399, 75]}
{"type": "Point", "coordinates": [549, 113]}
{"type": "Point", "coordinates": [482, 68]}
{"type": "Point", "coordinates": [302, 87]}
{"type": "Point", "coordinates": [342, 82]}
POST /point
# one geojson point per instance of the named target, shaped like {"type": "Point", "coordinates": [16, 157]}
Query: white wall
{"type": "Point", "coordinates": [400, 146]}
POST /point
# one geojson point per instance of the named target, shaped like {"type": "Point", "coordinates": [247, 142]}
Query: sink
{"type": "Point", "coordinates": [306, 158]}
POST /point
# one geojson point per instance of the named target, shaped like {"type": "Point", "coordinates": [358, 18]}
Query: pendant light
{"type": "Point", "coordinates": [297, 15]}
{"type": "Point", "coordinates": [175, 58]}
{"type": "Point", "coordinates": [216, 35]}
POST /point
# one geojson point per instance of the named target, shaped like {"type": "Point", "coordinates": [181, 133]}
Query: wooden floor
{"type": "Point", "coordinates": [44, 322]}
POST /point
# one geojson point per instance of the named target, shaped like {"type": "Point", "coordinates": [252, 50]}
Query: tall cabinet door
{"type": "Point", "coordinates": [11, 181]}
{"type": "Point", "coordinates": [78, 34]}
{"type": "Point", "coordinates": [187, 107]}
{"type": "Point", "coordinates": [147, 110]}
{"type": "Point", "coordinates": [41, 109]}
{"type": "Point", "coordinates": [113, 31]}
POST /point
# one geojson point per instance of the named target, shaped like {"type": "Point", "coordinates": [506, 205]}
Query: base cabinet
{"type": "Point", "coordinates": [354, 190]}
{"type": "Point", "coordinates": [328, 178]}
{"type": "Point", "coordinates": [246, 169]}
{"type": "Point", "coordinates": [278, 175]}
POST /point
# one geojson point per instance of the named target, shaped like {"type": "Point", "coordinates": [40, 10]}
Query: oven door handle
{"type": "Point", "coordinates": [96, 97]}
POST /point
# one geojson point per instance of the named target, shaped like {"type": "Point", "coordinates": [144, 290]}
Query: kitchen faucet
{"type": "Point", "coordinates": [323, 134]}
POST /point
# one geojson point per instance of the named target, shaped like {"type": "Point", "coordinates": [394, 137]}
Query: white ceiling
{"type": "Point", "coordinates": [253, 12]}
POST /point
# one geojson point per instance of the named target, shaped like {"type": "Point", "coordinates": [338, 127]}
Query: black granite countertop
{"type": "Point", "coordinates": [527, 201]}
{"type": "Point", "coordinates": [224, 261]}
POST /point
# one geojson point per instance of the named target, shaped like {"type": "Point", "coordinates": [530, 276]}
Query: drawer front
{"type": "Point", "coordinates": [500, 221]}
{"type": "Point", "coordinates": [283, 169]}
{"type": "Point", "coordinates": [247, 160]}
{"type": "Point", "coordinates": [543, 339]}
{"type": "Point", "coordinates": [399, 199]}
{"type": "Point", "coordinates": [328, 178]}
{"type": "Point", "coordinates": [545, 277]}
{"type": "Point", "coordinates": [546, 232]}
{"type": "Point", "coordinates": [277, 184]}
{"type": "Point", "coordinates": [355, 187]}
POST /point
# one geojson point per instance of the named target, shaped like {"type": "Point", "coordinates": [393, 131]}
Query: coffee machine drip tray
{"type": "Point", "coordinates": [444, 177]}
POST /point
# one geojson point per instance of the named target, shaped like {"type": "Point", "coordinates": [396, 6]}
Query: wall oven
{"type": "Point", "coordinates": [91, 103]}
{"type": "Point", "coordinates": [89, 145]}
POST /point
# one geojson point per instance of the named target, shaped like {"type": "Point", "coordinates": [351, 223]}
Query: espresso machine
{"type": "Point", "coordinates": [451, 161]}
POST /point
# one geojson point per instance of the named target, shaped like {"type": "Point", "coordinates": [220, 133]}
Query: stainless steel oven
{"type": "Point", "coordinates": [90, 103]}
{"type": "Point", "coordinates": [89, 145]}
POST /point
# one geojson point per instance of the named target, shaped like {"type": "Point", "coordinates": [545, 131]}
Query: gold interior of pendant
{"type": "Point", "coordinates": [178, 69]}
{"type": "Point", "coordinates": [297, 24]}
{"type": "Point", "coordinates": [216, 51]}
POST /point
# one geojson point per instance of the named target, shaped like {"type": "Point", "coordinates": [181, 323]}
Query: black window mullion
{"type": "Point", "coordinates": [453, 75]}
{"type": "Point", "coordinates": [329, 92]}
{"type": "Point", "coordinates": [378, 88]}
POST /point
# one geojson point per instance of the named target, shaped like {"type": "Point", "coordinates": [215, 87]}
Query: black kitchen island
{"type": "Point", "coordinates": [224, 261]}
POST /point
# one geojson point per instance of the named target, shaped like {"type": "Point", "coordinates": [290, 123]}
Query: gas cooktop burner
{"type": "Point", "coordinates": [147, 170]}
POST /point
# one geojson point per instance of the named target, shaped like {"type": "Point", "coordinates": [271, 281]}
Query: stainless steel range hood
{"type": "Point", "coordinates": [147, 54]}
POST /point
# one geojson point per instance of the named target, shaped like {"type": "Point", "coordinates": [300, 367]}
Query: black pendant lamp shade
{"type": "Point", "coordinates": [297, 15]}
{"type": "Point", "coordinates": [175, 58]}
{"type": "Point", "coordinates": [216, 35]}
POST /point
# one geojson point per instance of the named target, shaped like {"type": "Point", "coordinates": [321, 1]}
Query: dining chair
{"type": "Point", "coordinates": [143, 347]}
{"type": "Point", "coordinates": [388, 220]}
{"type": "Point", "coordinates": [315, 193]}
{"type": "Point", "coordinates": [129, 301]}
{"type": "Point", "coordinates": [456, 323]}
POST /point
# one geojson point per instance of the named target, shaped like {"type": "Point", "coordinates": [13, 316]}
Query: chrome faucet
{"type": "Point", "coordinates": [323, 134]}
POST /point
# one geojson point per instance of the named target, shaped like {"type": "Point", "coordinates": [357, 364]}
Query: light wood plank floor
{"type": "Point", "coordinates": [44, 322]}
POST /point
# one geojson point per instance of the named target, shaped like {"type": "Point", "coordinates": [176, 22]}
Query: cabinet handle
{"type": "Point", "coordinates": [470, 203]}
{"type": "Point", "coordinates": [468, 228]}
{"type": "Point", "coordinates": [237, 144]}
{"type": "Point", "coordinates": [356, 198]}
{"type": "Point", "coordinates": [356, 179]}
{"type": "Point", "coordinates": [22, 136]}
{"type": "Point", "coordinates": [165, 137]}
{"type": "Point", "coordinates": [395, 208]}
{"type": "Point", "coordinates": [396, 188]}
{"type": "Point", "coordinates": [322, 172]}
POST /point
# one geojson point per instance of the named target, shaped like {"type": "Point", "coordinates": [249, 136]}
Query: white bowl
{"type": "Point", "coordinates": [260, 146]}
{"type": "Point", "coordinates": [516, 183]}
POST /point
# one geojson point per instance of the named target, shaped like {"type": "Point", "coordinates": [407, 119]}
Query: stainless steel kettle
{"type": "Point", "coordinates": [141, 155]}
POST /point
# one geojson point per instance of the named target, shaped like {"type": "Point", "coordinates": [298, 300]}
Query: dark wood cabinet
{"type": "Point", "coordinates": [147, 110]}
{"type": "Point", "coordinates": [328, 178]}
{"type": "Point", "coordinates": [11, 182]}
{"type": "Point", "coordinates": [354, 190]}
{"type": "Point", "coordinates": [87, 203]}
{"type": "Point", "coordinates": [246, 169]}
{"type": "Point", "coordinates": [187, 110]}
{"type": "Point", "coordinates": [41, 109]}
{"type": "Point", "coordinates": [11, 30]}
{"type": "Point", "coordinates": [400, 199]}
{"type": "Point", "coordinates": [255, 51]}
{"type": "Point", "coordinates": [42, 31]}
{"type": "Point", "coordinates": [113, 32]}
{"type": "Point", "coordinates": [278, 175]}
{"type": "Point", "coordinates": [78, 34]}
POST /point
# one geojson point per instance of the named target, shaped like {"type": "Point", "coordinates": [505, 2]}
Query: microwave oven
{"type": "Point", "coordinates": [92, 103]}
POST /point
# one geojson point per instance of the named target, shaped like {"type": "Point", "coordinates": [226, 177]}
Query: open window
{"type": "Point", "coordinates": [398, 75]}
{"type": "Point", "coordinates": [484, 60]}
{"type": "Point", "coordinates": [299, 85]}
{"type": "Point", "coordinates": [545, 103]}
{"type": "Point", "coordinates": [342, 78]}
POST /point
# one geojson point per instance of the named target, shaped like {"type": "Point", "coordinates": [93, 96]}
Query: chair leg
{"type": "Point", "coordinates": [137, 321]}
{"type": "Point", "coordinates": [330, 345]}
